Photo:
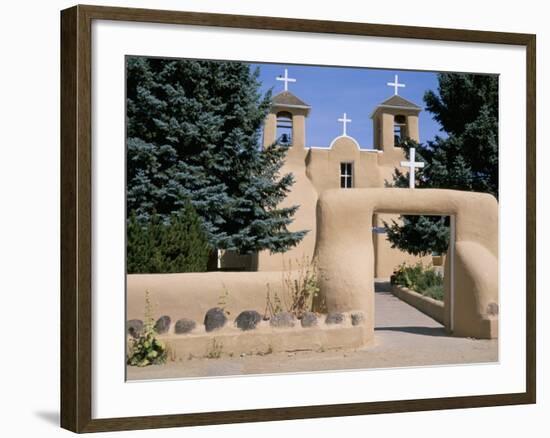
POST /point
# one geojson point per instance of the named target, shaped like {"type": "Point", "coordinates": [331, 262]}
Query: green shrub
{"type": "Point", "coordinates": [424, 280]}
{"type": "Point", "coordinates": [436, 292]}
{"type": "Point", "coordinates": [146, 349]}
{"type": "Point", "coordinates": [157, 246]}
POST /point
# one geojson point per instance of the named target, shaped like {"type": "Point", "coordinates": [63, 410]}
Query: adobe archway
{"type": "Point", "coordinates": [345, 255]}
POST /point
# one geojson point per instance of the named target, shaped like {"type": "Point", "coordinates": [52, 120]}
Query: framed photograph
{"type": "Point", "coordinates": [268, 218]}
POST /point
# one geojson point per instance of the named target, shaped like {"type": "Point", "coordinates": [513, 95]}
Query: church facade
{"type": "Point", "coordinates": [344, 165]}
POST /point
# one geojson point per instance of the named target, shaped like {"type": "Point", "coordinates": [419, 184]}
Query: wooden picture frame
{"type": "Point", "coordinates": [76, 217]}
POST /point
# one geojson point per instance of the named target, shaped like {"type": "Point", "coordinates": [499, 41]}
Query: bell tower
{"type": "Point", "coordinates": [285, 122]}
{"type": "Point", "coordinates": [395, 120]}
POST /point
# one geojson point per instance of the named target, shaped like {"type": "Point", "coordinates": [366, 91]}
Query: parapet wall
{"type": "Point", "coordinates": [180, 303]}
{"type": "Point", "coordinates": [190, 295]}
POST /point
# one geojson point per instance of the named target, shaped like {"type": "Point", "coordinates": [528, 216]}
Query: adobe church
{"type": "Point", "coordinates": [343, 165]}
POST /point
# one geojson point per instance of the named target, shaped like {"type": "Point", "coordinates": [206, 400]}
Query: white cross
{"type": "Point", "coordinates": [396, 85]}
{"type": "Point", "coordinates": [344, 121]}
{"type": "Point", "coordinates": [412, 165]}
{"type": "Point", "coordinates": [286, 79]}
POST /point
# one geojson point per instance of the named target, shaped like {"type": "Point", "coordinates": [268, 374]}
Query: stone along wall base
{"type": "Point", "coordinates": [264, 339]}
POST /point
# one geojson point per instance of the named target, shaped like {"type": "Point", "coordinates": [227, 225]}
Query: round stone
{"type": "Point", "coordinates": [334, 318]}
{"type": "Point", "coordinates": [248, 320]}
{"type": "Point", "coordinates": [184, 325]}
{"type": "Point", "coordinates": [283, 319]}
{"type": "Point", "coordinates": [492, 309]}
{"type": "Point", "coordinates": [214, 319]}
{"type": "Point", "coordinates": [163, 324]}
{"type": "Point", "coordinates": [357, 318]}
{"type": "Point", "coordinates": [134, 327]}
{"type": "Point", "coordinates": [309, 319]}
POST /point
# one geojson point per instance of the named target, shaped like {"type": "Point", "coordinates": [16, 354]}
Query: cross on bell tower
{"type": "Point", "coordinates": [396, 85]}
{"type": "Point", "coordinates": [286, 121]}
{"type": "Point", "coordinates": [286, 79]}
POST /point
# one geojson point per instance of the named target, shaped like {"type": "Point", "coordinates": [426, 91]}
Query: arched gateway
{"type": "Point", "coordinates": [345, 254]}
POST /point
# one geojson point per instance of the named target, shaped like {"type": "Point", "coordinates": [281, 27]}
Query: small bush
{"type": "Point", "coordinates": [436, 292]}
{"type": "Point", "coordinates": [300, 289]}
{"type": "Point", "coordinates": [303, 289]}
{"type": "Point", "coordinates": [273, 305]}
{"type": "Point", "coordinates": [424, 280]}
{"type": "Point", "coordinates": [146, 349]}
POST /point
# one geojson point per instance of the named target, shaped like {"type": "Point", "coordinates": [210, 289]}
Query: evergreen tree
{"type": "Point", "coordinates": [176, 244]}
{"type": "Point", "coordinates": [466, 106]}
{"type": "Point", "coordinates": [193, 131]}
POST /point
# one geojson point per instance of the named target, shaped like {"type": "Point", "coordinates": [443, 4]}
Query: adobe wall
{"type": "Point", "coordinates": [345, 251]}
{"type": "Point", "coordinates": [191, 295]}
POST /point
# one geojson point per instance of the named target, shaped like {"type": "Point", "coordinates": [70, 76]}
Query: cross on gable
{"type": "Point", "coordinates": [412, 165]}
{"type": "Point", "coordinates": [396, 85]}
{"type": "Point", "coordinates": [286, 79]}
{"type": "Point", "coordinates": [344, 121]}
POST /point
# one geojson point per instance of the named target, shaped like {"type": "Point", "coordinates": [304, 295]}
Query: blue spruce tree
{"type": "Point", "coordinates": [193, 130]}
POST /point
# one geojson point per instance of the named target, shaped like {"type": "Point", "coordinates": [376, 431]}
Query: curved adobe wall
{"type": "Point", "coordinates": [345, 253]}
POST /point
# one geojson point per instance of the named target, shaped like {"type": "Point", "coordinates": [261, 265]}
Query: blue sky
{"type": "Point", "coordinates": [331, 91]}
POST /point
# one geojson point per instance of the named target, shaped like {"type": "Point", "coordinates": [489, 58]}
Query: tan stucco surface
{"type": "Point", "coordinates": [265, 339]}
{"type": "Point", "coordinates": [323, 165]}
{"type": "Point", "coordinates": [190, 295]}
{"type": "Point", "coordinates": [345, 251]}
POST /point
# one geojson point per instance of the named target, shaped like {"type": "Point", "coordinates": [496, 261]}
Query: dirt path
{"type": "Point", "coordinates": [404, 337]}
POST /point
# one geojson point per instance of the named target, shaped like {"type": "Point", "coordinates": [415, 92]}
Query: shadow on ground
{"type": "Point", "coordinates": [426, 331]}
{"type": "Point", "coordinates": [382, 286]}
